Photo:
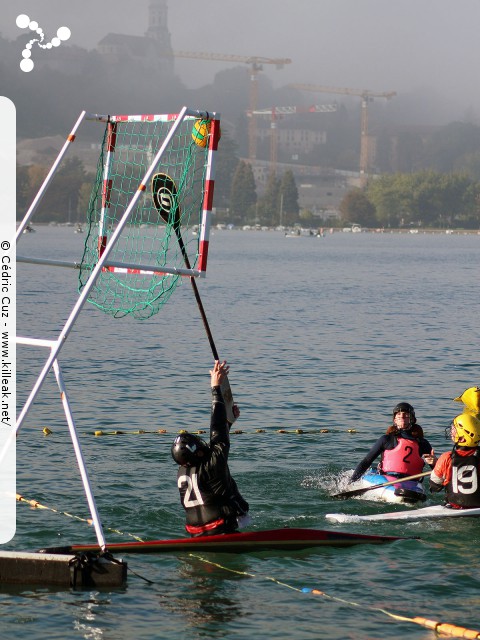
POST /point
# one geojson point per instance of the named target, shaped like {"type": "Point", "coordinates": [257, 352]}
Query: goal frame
{"type": "Point", "coordinates": [54, 346]}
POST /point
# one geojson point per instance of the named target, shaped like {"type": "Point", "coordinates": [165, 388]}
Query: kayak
{"type": "Point", "coordinates": [406, 491]}
{"type": "Point", "coordinates": [274, 539]}
{"type": "Point", "coordinates": [435, 511]}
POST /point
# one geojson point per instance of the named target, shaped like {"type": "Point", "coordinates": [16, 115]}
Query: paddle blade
{"type": "Point", "coordinates": [164, 194]}
{"type": "Point", "coordinates": [350, 494]}
{"type": "Point", "coordinates": [228, 399]}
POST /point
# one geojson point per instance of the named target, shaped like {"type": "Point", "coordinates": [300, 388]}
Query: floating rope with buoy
{"type": "Point", "coordinates": [439, 627]}
{"type": "Point", "coordinates": [138, 432]}
{"type": "Point", "coordinates": [37, 505]}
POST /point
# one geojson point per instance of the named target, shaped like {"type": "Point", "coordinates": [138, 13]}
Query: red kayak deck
{"type": "Point", "coordinates": [277, 539]}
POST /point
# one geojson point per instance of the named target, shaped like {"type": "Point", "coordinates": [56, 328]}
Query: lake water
{"type": "Point", "coordinates": [325, 335]}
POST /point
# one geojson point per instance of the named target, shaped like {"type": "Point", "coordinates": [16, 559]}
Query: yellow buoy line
{"type": "Point", "coordinates": [123, 432]}
{"type": "Point", "coordinates": [37, 505]}
{"type": "Point", "coordinates": [435, 625]}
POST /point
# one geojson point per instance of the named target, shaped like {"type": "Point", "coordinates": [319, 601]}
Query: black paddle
{"type": "Point", "coordinates": [164, 194]}
{"type": "Point", "coordinates": [359, 492]}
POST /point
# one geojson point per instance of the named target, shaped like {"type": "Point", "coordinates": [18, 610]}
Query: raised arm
{"type": "Point", "coordinates": [218, 420]}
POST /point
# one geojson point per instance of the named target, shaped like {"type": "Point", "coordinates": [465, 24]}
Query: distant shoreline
{"type": "Point", "coordinates": [304, 231]}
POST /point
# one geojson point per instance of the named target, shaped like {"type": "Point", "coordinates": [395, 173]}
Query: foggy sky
{"type": "Point", "coordinates": [380, 45]}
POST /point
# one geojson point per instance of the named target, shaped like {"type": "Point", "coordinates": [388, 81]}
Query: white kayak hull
{"type": "Point", "coordinates": [435, 511]}
{"type": "Point", "coordinates": [407, 492]}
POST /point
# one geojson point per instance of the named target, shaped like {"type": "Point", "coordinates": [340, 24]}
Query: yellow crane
{"type": "Point", "coordinates": [276, 113]}
{"type": "Point", "coordinates": [367, 96]}
{"type": "Point", "coordinates": [256, 65]}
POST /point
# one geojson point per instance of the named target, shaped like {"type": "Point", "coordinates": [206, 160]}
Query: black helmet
{"type": "Point", "coordinates": [188, 449]}
{"type": "Point", "coordinates": [406, 408]}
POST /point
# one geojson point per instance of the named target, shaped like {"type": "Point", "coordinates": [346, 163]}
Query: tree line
{"type": "Point", "coordinates": [68, 194]}
{"type": "Point", "coordinates": [422, 199]}
{"type": "Point", "coordinates": [445, 196]}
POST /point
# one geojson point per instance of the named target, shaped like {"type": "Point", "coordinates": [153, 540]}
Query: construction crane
{"type": "Point", "coordinates": [276, 113]}
{"type": "Point", "coordinates": [256, 65]}
{"type": "Point", "coordinates": [366, 96]}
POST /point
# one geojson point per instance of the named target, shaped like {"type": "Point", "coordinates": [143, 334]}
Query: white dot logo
{"type": "Point", "coordinates": [24, 22]}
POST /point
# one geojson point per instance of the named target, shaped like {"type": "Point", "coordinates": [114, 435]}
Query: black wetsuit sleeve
{"type": "Point", "coordinates": [434, 487]}
{"type": "Point", "coordinates": [219, 430]}
{"type": "Point", "coordinates": [375, 451]}
{"type": "Point", "coordinates": [424, 447]}
{"type": "Point", "coordinates": [220, 481]}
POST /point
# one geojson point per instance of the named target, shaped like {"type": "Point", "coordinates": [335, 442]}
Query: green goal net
{"type": "Point", "coordinates": [170, 161]}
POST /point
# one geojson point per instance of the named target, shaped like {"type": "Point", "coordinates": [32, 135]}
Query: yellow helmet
{"type": "Point", "coordinates": [466, 430]}
{"type": "Point", "coordinates": [471, 399]}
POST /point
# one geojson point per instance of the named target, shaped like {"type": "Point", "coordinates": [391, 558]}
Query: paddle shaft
{"type": "Point", "coordinates": [164, 207]}
{"type": "Point", "coordinates": [164, 203]}
{"type": "Point", "coordinates": [181, 244]}
{"type": "Point", "coordinates": [359, 492]}
{"type": "Point", "coordinates": [225, 386]}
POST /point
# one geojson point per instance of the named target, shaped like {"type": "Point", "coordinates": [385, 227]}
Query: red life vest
{"type": "Point", "coordinates": [404, 458]}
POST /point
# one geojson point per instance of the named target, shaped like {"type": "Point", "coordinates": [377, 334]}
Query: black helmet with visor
{"type": "Point", "coordinates": [189, 449]}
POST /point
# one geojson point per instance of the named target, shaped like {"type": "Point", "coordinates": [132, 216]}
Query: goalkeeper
{"type": "Point", "coordinates": [208, 492]}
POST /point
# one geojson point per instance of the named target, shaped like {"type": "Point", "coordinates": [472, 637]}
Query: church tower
{"type": "Point", "coordinates": [158, 36]}
{"type": "Point", "coordinates": [157, 21]}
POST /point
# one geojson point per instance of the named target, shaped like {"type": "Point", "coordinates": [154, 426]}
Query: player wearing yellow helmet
{"type": "Point", "coordinates": [471, 399]}
{"type": "Point", "coordinates": [458, 470]}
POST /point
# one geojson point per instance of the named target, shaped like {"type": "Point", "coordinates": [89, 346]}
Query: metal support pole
{"type": "Point", "coordinates": [80, 460]}
{"type": "Point", "coordinates": [95, 273]}
{"type": "Point", "coordinates": [46, 182]}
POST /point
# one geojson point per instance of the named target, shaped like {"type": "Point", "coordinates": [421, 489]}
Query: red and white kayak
{"type": "Point", "coordinates": [274, 539]}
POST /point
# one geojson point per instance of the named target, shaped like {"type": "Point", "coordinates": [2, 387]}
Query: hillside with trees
{"type": "Point", "coordinates": [423, 175]}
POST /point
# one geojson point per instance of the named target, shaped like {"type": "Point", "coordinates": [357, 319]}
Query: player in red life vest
{"type": "Point", "coordinates": [458, 471]}
{"type": "Point", "coordinates": [403, 448]}
{"type": "Point", "coordinates": [208, 493]}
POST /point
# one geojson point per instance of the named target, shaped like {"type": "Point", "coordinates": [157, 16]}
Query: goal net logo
{"type": "Point", "coordinates": [24, 22]}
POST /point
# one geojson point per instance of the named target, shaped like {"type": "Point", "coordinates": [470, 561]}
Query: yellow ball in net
{"type": "Point", "coordinates": [200, 132]}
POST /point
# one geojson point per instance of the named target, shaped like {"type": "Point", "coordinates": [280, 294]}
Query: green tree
{"type": "Point", "coordinates": [60, 202]}
{"type": "Point", "coordinates": [356, 207]}
{"type": "Point", "coordinates": [84, 195]}
{"type": "Point", "coordinates": [289, 209]}
{"type": "Point", "coordinates": [306, 218]}
{"type": "Point", "coordinates": [29, 181]}
{"type": "Point", "coordinates": [268, 210]}
{"type": "Point", "coordinates": [392, 198]}
{"type": "Point", "coordinates": [425, 198]}
{"type": "Point", "coordinates": [243, 196]}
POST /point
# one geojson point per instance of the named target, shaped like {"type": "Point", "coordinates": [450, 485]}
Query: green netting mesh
{"type": "Point", "coordinates": [128, 150]}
